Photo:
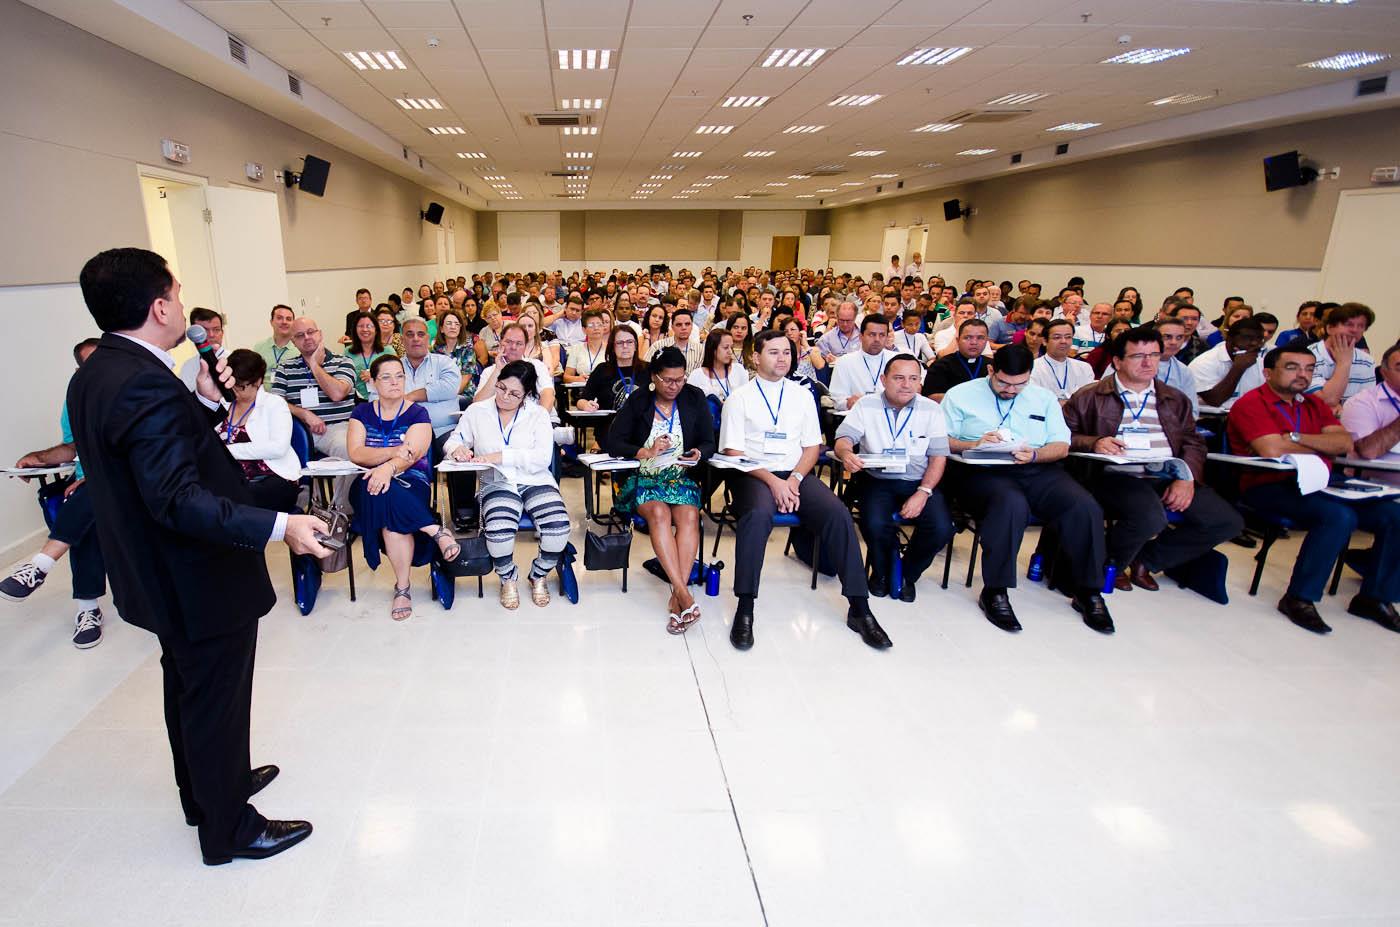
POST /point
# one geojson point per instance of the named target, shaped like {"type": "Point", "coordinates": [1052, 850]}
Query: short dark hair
{"type": "Point", "coordinates": [199, 315]}
{"type": "Point", "coordinates": [905, 356]}
{"type": "Point", "coordinates": [970, 323]}
{"type": "Point", "coordinates": [1296, 346]}
{"type": "Point", "coordinates": [1385, 358]}
{"type": "Point", "coordinates": [1266, 318]}
{"type": "Point", "coordinates": [82, 346]}
{"type": "Point", "coordinates": [1118, 347]}
{"type": "Point", "coordinates": [1225, 304]}
{"type": "Point", "coordinates": [524, 371]}
{"type": "Point", "coordinates": [361, 290]}
{"type": "Point", "coordinates": [1075, 282]}
{"type": "Point", "coordinates": [380, 361]}
{"type": "Point", "coordinates": [682, 311]}
{"type": "Point", "coordinates": [1184, 289]}
{"type": "Point", "coordinates": [592, 314]}
{"type": "Point", "coordinates": [765, 336]}
{"type": "Point", "coordinates": [247, 367]}
{"type": "Point", "coordinates": [1014, 359]}
{"type": "Point", "coordinates": [1056, 323]}
{"type": "Point", "coordinates": [668, 358]}
{"type": "Point", "coordinates": [119, 286]}
{"type": "Point", "coordinates": [273, 314]}
{"type": "Point", "coordinates": [870, 320]}
{"type": "Point", "coordinates": [1248, 324]}
{"type": "Point", "coordinates": [1348, 311]}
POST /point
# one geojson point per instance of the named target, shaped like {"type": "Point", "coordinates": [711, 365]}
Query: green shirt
{"type": "Point", "coordinates": [273, 355]}
{"type": "Point", "coordinates": [361, 365]}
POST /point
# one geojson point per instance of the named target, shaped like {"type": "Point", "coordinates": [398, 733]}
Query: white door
{"type": "Point", "coordinates": [249, 266]}
{"type": "Point", "coordinates": [193, 251]}
{"type": "Point", "coordinates": [894, 243]}
{"type": "Point", "coordinates": [1360, 253]}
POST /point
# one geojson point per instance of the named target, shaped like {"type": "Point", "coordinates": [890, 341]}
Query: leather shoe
{"type": "Point", "coordinates": [1304, 614]}
{"type": "Point", "coordinates": [860, 620]}
{"type": "Point", "coordinates": [879, 587]}
{"type": "Point", "coordinates": [1094, 610]}
{"type": "Point", "coordinates": [741, 632]}
{"type": "Point", "coordinates": [997, 607]}
{"type": "Point", "coordinates": [1142, 576]}
{"type": "Point", "coordinates": [258, 780]}
{"type": "Point", "coordinates": [906, 591]}
{"type": "Point", "coordinates": [275, 837]}
{"type": "Point", "coordinates": [1382, 613]}
{"type": "Point", "coordinates": [1122, 582]}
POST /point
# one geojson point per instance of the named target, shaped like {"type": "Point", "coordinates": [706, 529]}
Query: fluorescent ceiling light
{"type": "Point", "coordinates": [792, 57]}
{"type": "Point", "coordinates": [799, 176]}
{"type": "Point", "coordinates": [850, 183]}
{"type": "Point", "coordinates": [827, 190]}
{"type": "Point", "coordinates": [673, 167]}
{"type": "Point", "coordinates": [933, 56]}
{"type": "Point", "coordinates": [577, 103]}
{"type": "Point", "coordinates": [660, 176]}
{"type": "Point", "coordinates": [1016, 99]}
{"type": "Point", "coordinates": [1346, 61]}
{"type": "Point", "coordinates": [701, 186]}
{"type": "Point", "coordinates": [1073, 126]}
{"type": "Point", "coordinates": [686, 154]}
{"type": "Point", "coordinates": [741, 196]}
{"type": "Point", "coordinates": [805, 196]}
{"type": "Point", "coordinates": [939, 127]}
{"type": "Point", "coordinates": [447, 130]}
{"type": "Point", "coordinates": [680, 196]}
{"type": "Point", "coordinates": [474, 155]}
{"type": "Point", "coordinates": [418, 103]}
{"type": "Point", "coordinates": [713, 130]}
{"type": "Point", "coordinates": [883, 176]}
{"type": "Point", "coordinates": [1181, 98]}
{"type": "Point", "coordinates": [745, 102]}
{"type": "Point", "coordinates": [578, 167]}
{"type": "Point", "coordinates": [580, 130]}
{"type": "Point", "coordinates": [578, 154]}
{"type": "Point", "coordinates": [973, 152]}
{"type": "Point", "coordinates": [584, 59]}
{"type": "Point", "coordinates": [376, 60]}
{"type": "Point", "coordinates": [870, 153]}
{"type": "Point", "coordinates": [802, 130]}
{"type": "Point", "coordinates": [856, 99]}
{"type": "Point", "coordinates": [759, 154]}
{"type": "Point", "coordinates": [717, 177]}
{"type": "Point", "coordinates": [493, 177]}
{"type": "Point", "coordinates": [1146, 56]}
{"type": "Point", "coordinates": [777, 183]}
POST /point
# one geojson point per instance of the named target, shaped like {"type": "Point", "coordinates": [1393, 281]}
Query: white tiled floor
{"type": "Point", "coordinates": [576, 765]}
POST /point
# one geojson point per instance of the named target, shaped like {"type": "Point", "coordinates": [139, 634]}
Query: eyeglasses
{"type": "Point", "coordinates": [509, 393]}
{"type": "Point", "coordinates": [671, 381]}
{"type": "Point", "coordinates": [1154, 356]}
{"type": "Point", "coordinates": [998, 383]}
{"type": "Point", "coordinates": [390, 378]}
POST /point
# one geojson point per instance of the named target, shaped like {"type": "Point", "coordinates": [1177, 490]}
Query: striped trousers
{"type": "Point", "coordinates": [501, 508]}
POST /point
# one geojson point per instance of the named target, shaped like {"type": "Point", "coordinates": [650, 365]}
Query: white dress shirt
{"type": "Point", "coordinates": [873, 423]}
{"type": "Point", "coordinates": [719, 387]}
{"type": "Point", "coordinates": [771, 422]}
{"type": "Point", "coordinates": [1063, 378]}
{"type": "Point", "coordinates": [526, 445]}
{"type": "Point", "coordinates": [857, 374]}
{"type": "Point", "coordinates": [1210, 368]}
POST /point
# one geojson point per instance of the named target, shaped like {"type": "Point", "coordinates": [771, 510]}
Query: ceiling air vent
{"type": "Point", "coordinates": [238, 51]}
{"type": "Point", "coordinates": [294, 84]}
{"type": "Point", "coordinates": [567, 174]}
{"type": "Point", "coordinates": [987, 116]}
{"type": "Point", "coordinates": [558, 119]}
{"type": "Point", "coordinates": [758, 193]}
{"type": "Point", "coordinates": [824, 170]}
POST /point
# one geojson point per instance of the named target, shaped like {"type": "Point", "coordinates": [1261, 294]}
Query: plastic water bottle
{"type": "Point", "coordinates": [897, 576]}
{"type": "Point", "coordinates": [712, 573]}
{"type": "Point", "coordinates": [697, 573]}
{"type": "Point", "coordinates": [1110, 573]}
{"type": "Point", "coordinates": [1037, 568]}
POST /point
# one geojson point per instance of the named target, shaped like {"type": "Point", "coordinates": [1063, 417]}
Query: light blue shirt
{"type": "Point", "coordinates": [569, 331]}
{"type": "Point", "coordinates": [440, 376]}
{"type": "Point", "coordinates": [66, 427]}
{"type": "Point", "coordinates": [972, 409]}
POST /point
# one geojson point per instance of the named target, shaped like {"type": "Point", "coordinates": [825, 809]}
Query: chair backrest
{"type": "Point", "coordinates": [301, 442]}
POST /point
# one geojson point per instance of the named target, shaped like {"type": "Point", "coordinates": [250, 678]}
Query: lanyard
{"type": "Point", "coordinates": [890, 421]}
{"type": "Point", "coordinates": [670, 420]}
{"type": "Point", "coordinates": [1295, 420]}
{"type": "Point", "coordinates": [1007, 414]}
{"type": "Point", "coordinates": [879, 368]}
{"type": "Point", "coordinates": [231, 425]}
{"type": "Point", "coordinates": [781, 389]}
{"type": "Point", "coordinates": [845, 342]}
{"type": "Point", "coordinates": [1390, 398]}
{"type": "Point", "coordinates": [909, 343]}
{"type": "Point", "coordinates": [1061, 382]}
{"type": "Point", "coordinates": [1138, 414]}
{"type": "Point", "coordinates": [394, 425]}
{"type": "Point", "coordinates": [593, 358]}
{"type": "Point", "coordinates": [1167, 380]}
{"type": "Point", "coordinates": [278, 355]}
{"type": "Point", "coordinates": [722, 381]}
{"type": "Point", "coordinates": [626, 381]}
{"type": "Point", "coordinates": [507, 433]}
{"type": "Point", "coordinates": [973, 370]}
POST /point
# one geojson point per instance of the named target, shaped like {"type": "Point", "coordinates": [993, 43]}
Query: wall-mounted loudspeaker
{"type": "Point", "coordinates": [433, 213]}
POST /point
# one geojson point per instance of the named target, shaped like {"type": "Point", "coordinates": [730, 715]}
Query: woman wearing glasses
{"type": "Point", "coordinates": [669, 428]}
{"type": "Point", "coordinates": [516, 438]}
{"type": "Point", "coordinates": [390, 438]}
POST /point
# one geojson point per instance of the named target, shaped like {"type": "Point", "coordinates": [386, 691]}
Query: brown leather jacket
{"type": "Point", "coordinates": [1096, 411]}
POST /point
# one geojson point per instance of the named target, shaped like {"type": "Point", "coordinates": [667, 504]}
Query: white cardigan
{"type": "Point", "coordinates": [526, 461]}
{"type": "Point", "coordinates": [269, 428]}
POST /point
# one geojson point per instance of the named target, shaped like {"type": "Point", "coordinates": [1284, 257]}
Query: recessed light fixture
{"type": "Point", "coordinates": [852, 183]}
{"type": "Point", "coordinates": [1182, 98]}
{"type": "Point", "coordinates": [716, 176]}
{"type": "Point", "coordinates": [939, 127]}
{"type": "Point", "coordinates": [1346, 61]}
{"type": "Point", "coordinates": [473, 155]}
{"type": "Point", "coordinates": [584, 59]}
{"type": "Point", "coordinates": [933, 56]}
{"type": "Point", "coordinates": [864, 99]}
{"type": "Point", "coordinates": [580, 130]}
{"type": "Point", "coordinates": [1016, 99]}
{"type": "Point", "coordinates": [652, 185]}
{"type": "Point", "coordinates": [493, 177]}
{"type": "Point", "coordinates": [1073, 126]}
{"type": "Point", "coordinates": [792, 57]}
{"type": "Point", "coordinates": [777, 183]}
{"type": "Point", "coordinates": [673, 167]}
{"type": "Point", "coordinates": [447, 130]}
{"type": "Point", "coordinates": [741, 196]}
{"type": "Point", "coordinates": [713, 130]}
{"type": "Point", "coordinates": [883, 176]}
{"type": "Point", "coordinates": [744, 102]}
{"type": "Point", "coordinates": [802, 130]}
{"type": "Point", "coordinates": [578, 154]}
{"type": "Point", "coordinates": [636, 197]}
{"type": "Point", "coordinates": [577, 103]}
{"type": "Point", "coordinates": [418, 103]}
{"type": "Point", "coordinates": [1146, 56]}
{"type": "Point", "coordinates": [930, 164]}
{"type": "Point", "coordinates": [805, 196]}
{"type": "Point", "coordinates": [686, 154]}
{"type": "Point", "coordinates": [661, 176]}
{"type": "Point", "coordinates": [827, 190]}
{"type": "Point", "coordinates": [973, 152]}
{"type": "Point", "coordinates": [759, 154]}
{"type": "Point", "coordinates": [870, 153]}
{"type": "Point", "coordinates": [799, 176]}
{"type": "Point", "coordinates": [680, 196]}
{"type": "Point", "coordinates": [376, 60]}
{"type": "Point", "coordinates": [578, 167]}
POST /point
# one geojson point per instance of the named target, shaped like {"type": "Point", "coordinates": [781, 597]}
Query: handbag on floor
{"type": "Point", "coordinates": [606, 551]}
{"type": "Point", "coordinates": [474, 560]}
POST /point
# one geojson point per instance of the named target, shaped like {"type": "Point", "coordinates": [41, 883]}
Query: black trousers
{"type": "Point", "coordinates": [1140, 530]}
{"type": "Point", "coordinates": [1003, 499]}
{"type": "Point", "coordinates": [274, 493]}
{"type": "Point", "coordinates": [819, 511]}
{"type": "Point", "coordinates": [74, 525]}
{"type": "Point", "coordinates": [208, 702]}
{"type": "Point", "coordinates": [880, 500]}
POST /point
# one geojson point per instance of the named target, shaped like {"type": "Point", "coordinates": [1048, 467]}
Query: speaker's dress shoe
{"type": "Point", "coordinates": [1304, 614]}
{"type": "Point", "coordinates": [276, 837]}
{"type": "Point", "coordinates": [741, 632]}
{"type": "Point", "coordinates": [1382, 613]}
{"type": "Point", "coordinates": [1141, 576]}
{"type": "Point", "coordinates": [860, 620]}
{"type": "Point", "coordinates": [879, 587]}
{"type": "Point", "coordinates": [1094, 611]}
{"type": "Point", "coordinates": [997, 607]}
{"type": "Point", "coordinates": [257, 781]}
{"type": "Point", "coordinates": [906, 591]}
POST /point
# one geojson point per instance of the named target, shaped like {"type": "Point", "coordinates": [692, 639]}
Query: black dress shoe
{"type": "Point", "coordinates": [1245, 540]}
{"type": "Point", "coordinates": [1382, 613]}
{"type": "Point", "coordinates": [997, 607]}
{"type": "Point", "coordinates": [257, 781]}
{"type": "Point", "coordinates": [276, 837]}
{"type": "Point", "coordinates": [906, 591]}
{"type": "Point", "coordinates": [741, 632]}
{"type": "Point", "coordinates": [1304, 614]}
{"type": "Point", "coordinates": [879, 587]}
{"type": "Point", "coordinates": [860, 620]}
{"type": "Point", "coordinates": [1094, 611]}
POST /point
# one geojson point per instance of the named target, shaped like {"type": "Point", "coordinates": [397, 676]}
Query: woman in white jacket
{"type": "Point", "coordinates": [514, 435]}
{"type": "Point", "coordinates": [258, 432]}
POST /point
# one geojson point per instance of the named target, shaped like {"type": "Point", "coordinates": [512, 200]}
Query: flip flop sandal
{"type": "Point", "coordinates": [689, 616]}
{"type": "Point", "coordinates": [673, 624]}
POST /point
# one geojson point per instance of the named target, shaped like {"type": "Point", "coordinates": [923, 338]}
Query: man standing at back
{"type": "Point", "coordinates": [171, 509]}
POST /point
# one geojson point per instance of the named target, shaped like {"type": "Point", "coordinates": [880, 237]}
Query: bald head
{"type": "Point", "coordinates": [306, 335]}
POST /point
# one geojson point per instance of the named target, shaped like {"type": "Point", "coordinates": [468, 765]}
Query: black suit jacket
{"type": "Point", "coordinates": [183, 548]}
{"type": "Point", "coordinates": [632, 426]}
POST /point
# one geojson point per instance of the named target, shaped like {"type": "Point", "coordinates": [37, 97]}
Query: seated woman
{"type": "Point", "coordinates": [666, 423]}
{"type": "Point", "coordinates": [362, 352]}
{"type": "Point", "coordinates": [389, 337]}
{"type": "Point", "coordinates": [391, 437]}
{"type": "Point", "coordinates": [612, 381]}
{"type": "Point", "coordinates": [516, 438]}
{"type": "Point", "coordinates": [455, 341]}
{"type": "Point", "coordinates": [258, 432]}
{"type": "Point", "coordinates": [718, 375]}
{"type": "Point", "coordinates": [542, 346]}
{"type": "Point", "coordinates": [1100, 357]}
{"type": "Point", "coordinates": [810, 358]}
{"type": "Point", "coordinates": [488, 340]}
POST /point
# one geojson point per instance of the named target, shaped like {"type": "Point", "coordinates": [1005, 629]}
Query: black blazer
{"type": "Point", "coordinates": [632, 426]}
{"type": "Point", "coordinates": [182, 545]}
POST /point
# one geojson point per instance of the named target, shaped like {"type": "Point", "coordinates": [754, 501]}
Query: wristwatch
{"type": "Point", "coordinates": [1294, 437]}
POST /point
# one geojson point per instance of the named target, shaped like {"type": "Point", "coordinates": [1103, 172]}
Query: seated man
{"type": "Point", "coordinates": [1132, 412]}
{"type": "Point", "coordinates": [1056, 370]}
{"type": "Point", "coordinates": [964, 364]}
{"type": "Point", "coordinates": [1007, 407]}
{"type": "Point", "coordinates": [840, 339]}
{"type": "Point", "coordinates": [1373, 417]}
{"type": "Point", "coordinates": [1017, 318]}
{"type": "Point", "coordinates": [1343, 368]}
{"type": "Point", "coordinates": [1230, 369]}
{"type": "Point", "coordinates": [512, 348]}
{"type": "Point", "coordinates": [907, 431]}
{"type": "Point", "coordinates": [213, 325]}
{"type": "Point", "coordinates": [786, 437]}
{"type": "Point", "coordinates": [682, 338]}
{"type": "Point", "coordinates": [858, 374]}
{"type": "Point", "coordinates": [1170, 369]}
{"type": "Point", "coordinates": [1280, 418]}
{"type": "Point", "coordinates": [909, 340]}
{"type": "Point", "coordinates": [1093, 333]}
{"type": "Point", "coordinates": [73, 530]}
{"type": "Point", "coordinates": [319, 386]}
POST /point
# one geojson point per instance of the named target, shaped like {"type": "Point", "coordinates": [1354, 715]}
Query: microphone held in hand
{"type": "Point", "coordinates": [209, 354]}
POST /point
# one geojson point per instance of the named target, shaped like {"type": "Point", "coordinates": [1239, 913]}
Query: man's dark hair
{"type": "Point", "coordinates": [1169, 320]}
{"type": "Point", "coordinates": [1231, 299]}
{"type": "Point", "coordinates": [970, 323]}
{"type": "Point", "coordinates": [247, 367]}
{"type": "Point", "coordinates": [682, 311]}
{"type": "Point", "coordinates": [361, 290]}
{"type": "Point", "coordinates": [1297, 346]}
{"type": "Point", "coordinates": [273, 313]}
{"type": "Point", "coordinates": [765, 336]}
{"type": "Point", "coordinates": [901, 357]}
{"type": "Point", "coordinates": [83, 345]}
{"type": "Point", "coordinates": [1185, 289]}
{"type": "Point", "coordinates": [1143, 334]}
{"type": "Point", "coordinates": [119, 286]}
{"type": "Point", "coordinates": [1307, 304]}
{"type": "Point", "coordinates": [1056, 323]}
{"type": "Point", "coordinates": [1266, 318]}
{"type": "Point", "coordinates": [199, 315]}
{"type": "Point", "coordinates": [1075, 283]}
{"type": "Point", "coordinates": [1014, 359]}
{"type": "Point", "coordinates": [1385, 358]}
{"type": "Point", "coordinates": [870, 320]}
{"type": "Point", "coordinates": [965, 301]}
{"type": "Point", "coordinates": [524, 371]}
{"type": "Point", "coordinates": [1248, 324]}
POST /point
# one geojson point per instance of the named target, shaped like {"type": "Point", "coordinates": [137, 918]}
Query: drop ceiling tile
{"type": "Point", "coordinates": [666, 13]}
{"type": "Point", "coordinates": [739, 37]}
{"type": "Point", "coordinates": [511, 37]}
{"type": "Point", "coordinates": [922, 13]}
{"type": "Point", "coordinates": [569, 14]}
{"type": "Point", "coordinates": [680, 38]}
{"type": "Point", "coordinates": [343, 14]}
{"type": "Point", "coordinates": [358, 39]}
{"type": "Point", "coordinates": [415, 14]}
{"type": "Point", "coordinates": [235, 15]}
{"type": "Point", "coordinates": [276, 42]}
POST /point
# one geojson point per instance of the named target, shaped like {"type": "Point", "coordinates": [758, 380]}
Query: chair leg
{"type": "Point", "coordinates": [948, 561]}
{"type": "Point", "coordinates": [972, 556]}
{"type": "Point", "coordinates": [816, 557]}
{"type": "Point", "coordinates": [1337, 571]}
{"type": "Point", "coordinates": [624, 579]}
{"type": "Point", "coordinates": [719, 530]}
{"type": "Point", "coordinates": [1268, 541]}
{"type": "Point", "coordinates": [480, 588]}
{"type": "Point", "coordinates": [350, 568]}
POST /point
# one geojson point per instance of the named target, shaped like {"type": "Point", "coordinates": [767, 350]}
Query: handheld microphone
{"type": "Point", "coordinates": [209, 354]}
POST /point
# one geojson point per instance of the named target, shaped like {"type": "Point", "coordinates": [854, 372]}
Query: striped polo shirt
{"type": "Point", "coordinates": [1140, 412]}
{"type": "Point", "coordinates": [292, 376]}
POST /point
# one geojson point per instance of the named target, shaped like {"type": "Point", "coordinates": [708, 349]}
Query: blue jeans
{"type": "Point", "coordinates": [1330, 522]}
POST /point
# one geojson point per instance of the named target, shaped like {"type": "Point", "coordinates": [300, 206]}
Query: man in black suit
{"type": "Point", "coordinates": [172, 507]}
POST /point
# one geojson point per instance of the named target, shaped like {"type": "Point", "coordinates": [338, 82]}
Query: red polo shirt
{"type": "Point", "coordinates": [1261, 412]}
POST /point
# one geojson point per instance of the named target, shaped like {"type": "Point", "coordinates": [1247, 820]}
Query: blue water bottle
{"type": "Point", "coordinates": [1037, 568]}
{"type": "Point", "coordinates": [897, 576]}
{"type": "Point", "coordinates": [1110, 573]}
{"type": "Point", "coordinates": [697, 573]}
{"type": "Point", "coordinates": [712, 578]}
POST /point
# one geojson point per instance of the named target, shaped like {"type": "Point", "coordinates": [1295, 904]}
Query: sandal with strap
{"type": "Point", "coordinates": [403, 612]}
{"type": "Point", "coordinates": [453, 550]}
{"type": "Point", "coordinates": [673, 624]}
{"type": "Point", "coordinates": [510, 593]}
{"type": "Point", "coordinates": [688, 617]}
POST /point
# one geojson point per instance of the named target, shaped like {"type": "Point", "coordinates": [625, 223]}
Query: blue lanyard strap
{"type": "Point", "coordinates": [1061, 382]}
{"type": "Point", "coordinates": [1140, 409]}
{"type": "Point", "coordinates": [230, 424]}
{"type": "Point", "coordinates": [973, 370]}
{"type": "Point", "coordinates": [506, 434]}
{"type": "Point", "coordinates": [1007, 414]}
{"type": "Point", "coordinates": [781, 389]}
{"type": "Point", "coordinates": [722, 381]}
{"type": "Point", "coordinates": [626, 381]}
{"type": "Point", "coordinates": [670, 420]}
{"type": "Point", "coordinates": [393, 426]}
{"type": "Point", "coordinates": [845, 342]}
{"type": "Point", "coordinates": [1296, 420]}
{"type": "Point", "coordinates": [278, 355]}
{"type": "Point", "coordinates": [1167, 380]}
{"type": "Point", "coordinates": [891, 420]}
{"type": "Point", "coordinates": [1390, 398]}
{"type": "Point", "coordinates": [593, 358]}
{"type": "Point", "coordinates": [879, 368]}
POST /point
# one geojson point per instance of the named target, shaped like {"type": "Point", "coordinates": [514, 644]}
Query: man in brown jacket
{"type": "Point", "coordinates": [1133, 414]}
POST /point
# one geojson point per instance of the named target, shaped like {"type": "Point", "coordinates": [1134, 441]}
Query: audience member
{"type": "Point", "coordinates": [585, 356]}
{"type": "Point", "coordinates": [683, 338]}
{"type": "Point", "coordinates": [858, 373]}
{"type": "Point", "coordinates": [455, 342]}
{"type": "Point", "coordinates": [1343, 368]}
{"type": "Point", "coordinates": [213, 324]}
{"type": "Point", "coordinates": [257, 428]}
{"type": "Point", "coordinates": [277, 345]}
{"type": "Point", "coordinates": [319, 388]}
{"type": "Point", "coordinates": [362, 352]}
{"type": "Point", "coordinates": [719, 373]}
{"type": "Point", "coordinates": [1372, 417]}
{"type": "Point", "coordinates": [1230, 369]}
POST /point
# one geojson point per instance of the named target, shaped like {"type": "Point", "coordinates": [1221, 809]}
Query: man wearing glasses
{"type": "Point", "coordinates": [1007, 409]}
{"type": "Point", "coordinates": [1131, 413]}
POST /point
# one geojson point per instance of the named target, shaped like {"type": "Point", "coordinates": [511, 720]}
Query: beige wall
{"type": "Point", "coordinates": [78, 114]}
{"type": "Point", "coordinates": [1195, 204]}
{"type": "Point", "coordinates": [614, 234]}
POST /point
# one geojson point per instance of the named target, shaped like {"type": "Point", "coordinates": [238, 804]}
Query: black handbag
{"type": "Point", "coordinates": [474, 560]}
{"type": "Point", "coordinates": [607, 551]}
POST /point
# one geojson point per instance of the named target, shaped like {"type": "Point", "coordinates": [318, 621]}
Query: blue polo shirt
{"type": "Point", "coordinates": [972, 409]}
